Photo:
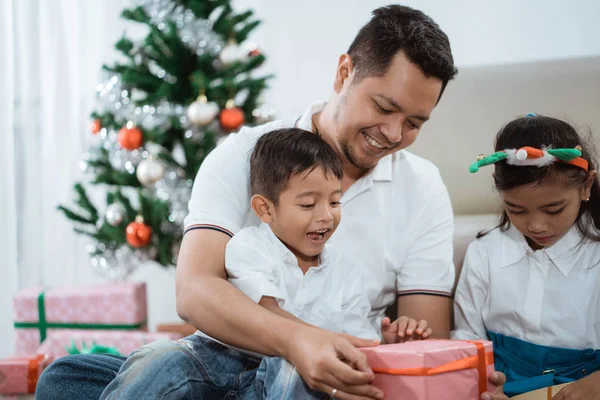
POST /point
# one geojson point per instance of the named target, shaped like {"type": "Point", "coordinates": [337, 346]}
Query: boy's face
{"type": "Point", "coordinates": [308, 213]}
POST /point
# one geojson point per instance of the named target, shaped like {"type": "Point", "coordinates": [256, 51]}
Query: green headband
{"type": "Point", "coordinates": [529, 156]}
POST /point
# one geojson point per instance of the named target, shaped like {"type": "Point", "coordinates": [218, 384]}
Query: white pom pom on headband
{"type": "Point", "coordinates": [530, 156]}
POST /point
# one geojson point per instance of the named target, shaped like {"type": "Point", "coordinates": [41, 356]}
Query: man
{"type": "Point", "coordinates": [397, 227]}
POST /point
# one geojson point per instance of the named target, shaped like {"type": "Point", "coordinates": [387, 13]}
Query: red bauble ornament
{"type": "Point", "coordinates": [96, 126]}
{"type": "Point", "coordinates": [138, 234]}
{"type": "Point", "coordinates": [254, 53]}
{"type": "Point", "coordinates": [130, 137]}
{"type": "Point", "coordinates": [231, 117]}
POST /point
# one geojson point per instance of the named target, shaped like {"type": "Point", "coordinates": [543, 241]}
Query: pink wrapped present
{"type": "Point", "coordinates": [432, 369]}
{"type": "Point", "coordinates": [38, 312]}
{"type": "Point", "coordinates": [124, 342]}
{"type": "Point", "coordinates": [19, 375]}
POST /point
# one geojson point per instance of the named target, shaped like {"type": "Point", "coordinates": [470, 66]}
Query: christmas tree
{"type": "Point", "coordinates": [162, 108]}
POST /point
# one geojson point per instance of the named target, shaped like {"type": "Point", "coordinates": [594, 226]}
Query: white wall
{"type": "Point", "coordinates": [303, 40]}
{"type": "Point", "coordinates": [484, 98]}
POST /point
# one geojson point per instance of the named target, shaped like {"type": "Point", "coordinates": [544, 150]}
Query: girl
{"type": "Point", "coordinates": [532, 284]}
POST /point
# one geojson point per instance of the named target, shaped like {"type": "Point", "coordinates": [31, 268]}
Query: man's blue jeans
{"type": "Point", "coordinates": [189, 368]}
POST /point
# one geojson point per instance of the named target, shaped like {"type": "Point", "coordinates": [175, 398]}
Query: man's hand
{"type": "Point", "coordinates": [497, 379]}
{"type": "Point", "coordinates": [327, 360]}
{"type": "Point", "coordinates": [404, 329]}
{"type": "Point", "coordinates": [587, 388]}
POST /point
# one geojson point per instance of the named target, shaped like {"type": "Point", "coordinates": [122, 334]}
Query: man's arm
{"type": "Point", "coordinates": [434, 309]}
{"type": "Point", "coordinates": [208, 301]}
{"type": "Point", "coordinates": [270, 304]}
{"type": "Point", "coordinates": [426, 275]}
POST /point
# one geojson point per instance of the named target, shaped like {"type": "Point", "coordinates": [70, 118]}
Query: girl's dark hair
{"type": "Point", "coordinates": [543, 132]}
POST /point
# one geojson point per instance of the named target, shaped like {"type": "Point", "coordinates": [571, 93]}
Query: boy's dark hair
{"type": "Point", "coordinates": [542, 132]}
{"type": "Point", "coordinates": [280, 154]}
{"type": "Point", "coordinates": [394, 29]}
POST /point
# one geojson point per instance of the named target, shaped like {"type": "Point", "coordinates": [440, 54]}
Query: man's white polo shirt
{"type": "Point", "coordinates": [330, 295]}
{"type": "Point", "coordinates": [396, 225]}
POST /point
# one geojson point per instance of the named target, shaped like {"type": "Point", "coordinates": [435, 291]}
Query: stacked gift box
{"type": "Point", "coordinates": [54, 322]}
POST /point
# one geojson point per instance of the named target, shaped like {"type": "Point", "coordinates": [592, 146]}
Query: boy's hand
{"type": "Point", "coordinates": [404, 329]}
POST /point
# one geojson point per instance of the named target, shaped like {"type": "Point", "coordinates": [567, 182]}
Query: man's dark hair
{"type": "Point", "coordinates": [394, 29]}
{"type": "Point", "coordinates": [283, 153]}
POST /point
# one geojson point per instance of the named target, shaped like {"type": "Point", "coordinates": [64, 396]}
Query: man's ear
{"type": "Point", "coordinates": [343, 72]}
{"type": "Point", "coordinates": [263, 207]}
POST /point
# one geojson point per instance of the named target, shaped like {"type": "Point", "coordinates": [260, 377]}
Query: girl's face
{"type": "Point", "coordinates": [545, 212]}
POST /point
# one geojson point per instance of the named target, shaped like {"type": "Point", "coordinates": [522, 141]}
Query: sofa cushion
{"type": "Point", "coordinates": [466, 228]}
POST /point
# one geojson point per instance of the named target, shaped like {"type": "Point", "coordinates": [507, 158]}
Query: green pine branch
{"type": "Point", "coordinates": [242, 34]}
{"type": "Point", "coordinates": [83, 201]}
{"type": "Point", "coordinates": [86, 233]}
{"type": "Point", "coordinates": [125, 46]}
{"type": "Point", "coordinates": [129, 210]}
{"type": "Point", "coordinates": [112, 234]}
{"type": "Point", "coordinates": [203, 9]}
{"type": "Point", "coordinates": [137, 14]}
{"type": "Point", "coordinates": [73, 216]}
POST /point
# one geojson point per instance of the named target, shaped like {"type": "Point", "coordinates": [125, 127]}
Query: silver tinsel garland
{"type": "Point", "coordinates": [196, 33]}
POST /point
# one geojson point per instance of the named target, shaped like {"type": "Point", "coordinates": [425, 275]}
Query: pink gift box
{"type": "Point", "coordinates": [19, 375]}
{"type": "Point", "coordinates": [125, 342]}
{"type": "Point", "coordinates": [432, 369]}
{"type": "Point", "coordinates": [110, 306]}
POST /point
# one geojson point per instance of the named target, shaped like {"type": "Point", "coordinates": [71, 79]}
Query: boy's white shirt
{"type": "Point", "coordinates": [549, 297]}
{"type": "Point", "coordinates": [330, 295]}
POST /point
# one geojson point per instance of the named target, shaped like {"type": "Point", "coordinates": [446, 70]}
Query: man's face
{"type": "Point", "coordinates": [380, 115]}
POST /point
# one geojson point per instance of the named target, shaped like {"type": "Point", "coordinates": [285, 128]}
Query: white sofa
{"type": "Point", "coordinates": [466, 228]}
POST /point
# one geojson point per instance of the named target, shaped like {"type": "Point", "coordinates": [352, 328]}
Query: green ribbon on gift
{"type": "Point", "coordinates": [44, 325]}
{"type": "Point", "coordinates": [94, 349]}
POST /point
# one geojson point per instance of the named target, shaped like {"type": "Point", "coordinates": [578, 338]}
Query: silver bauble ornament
{"type": "Point", "coordinates": [231, 53]}
{"type": "Point", "coordinates": [202, 112]}
{"type": "Point", "coordinates": [115, 214]}
{"type": "Point", "coordinates": [150, 171]}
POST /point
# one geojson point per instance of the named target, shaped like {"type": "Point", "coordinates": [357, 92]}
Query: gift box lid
{"type": "Point", "coordinates": [429, 353]}
{"type": "Point", "coordinates": [113, 303]}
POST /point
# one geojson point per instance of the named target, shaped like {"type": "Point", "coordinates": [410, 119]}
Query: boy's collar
{"type": "Point", "coordinates": [286, 254]}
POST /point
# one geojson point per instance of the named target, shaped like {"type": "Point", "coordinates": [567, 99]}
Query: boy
{"type": "Point", "coordinates": [284, 264]}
